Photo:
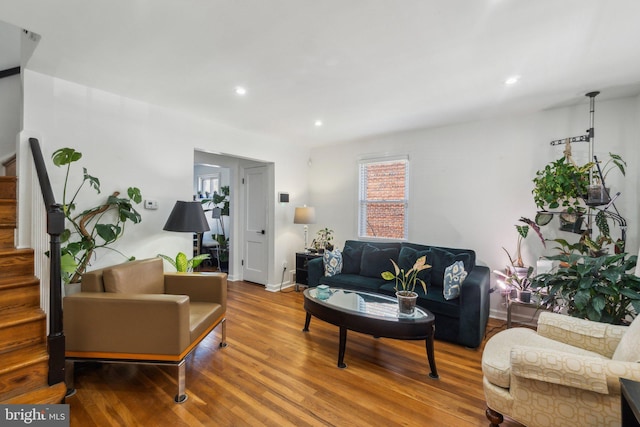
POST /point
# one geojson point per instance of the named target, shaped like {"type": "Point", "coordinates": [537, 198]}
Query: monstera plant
{"type": "Point", "coordinates": [95, 227]}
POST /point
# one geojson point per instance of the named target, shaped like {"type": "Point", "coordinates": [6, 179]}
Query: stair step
{"type": "Point", "coordinates": [24, 370]}
{"type": "Point", "coordinates": [46, 395]}
{"type": "Point", "coordinates": [8, 187]}
{"type": "Point", "coordinates": [21, 328]}
{"type": "Point", "coordinates": [17, 292]}
{"type": "Point", "coordinates": [7, 238]}
{"type": "Point", "coordinates": [8, 210]}
{"type": "Point", "coordinates": [16, 262]}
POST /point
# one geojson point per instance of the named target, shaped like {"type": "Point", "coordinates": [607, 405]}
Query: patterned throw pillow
{"type": "Point", "coordinates": [454, 275]}
{"type": "Point", "coordinates": [332, 262]}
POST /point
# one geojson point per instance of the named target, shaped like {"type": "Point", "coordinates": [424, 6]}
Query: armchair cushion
{"type": "Point", "coordinates": [602, 338]}
{"type": "Point", "coordinates": [629, 348]}
{"type": "Point", "coordinates": [135, 277]}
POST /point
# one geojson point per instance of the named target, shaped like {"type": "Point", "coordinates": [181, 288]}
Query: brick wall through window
{"type": "Point", "coordinates": [383, 199]}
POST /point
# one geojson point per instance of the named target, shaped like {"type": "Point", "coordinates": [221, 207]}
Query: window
{"type": "Point", "coordinates": [384, 193]}
{"type": "Point", "coordinates": [207, 185]}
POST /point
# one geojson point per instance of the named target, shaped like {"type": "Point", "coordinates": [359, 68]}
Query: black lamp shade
{"type": "Point", "coordinates": [187, 217]}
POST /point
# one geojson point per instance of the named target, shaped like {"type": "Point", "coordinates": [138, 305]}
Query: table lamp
{"type": "Point", "coordinates": [305, 215]}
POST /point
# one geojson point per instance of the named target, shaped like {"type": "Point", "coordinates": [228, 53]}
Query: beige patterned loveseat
{"type": "Point", "coordinates": [565, 373]}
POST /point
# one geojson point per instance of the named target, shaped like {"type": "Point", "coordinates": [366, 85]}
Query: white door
{"type": "Point", "coordinates": [254, 263]}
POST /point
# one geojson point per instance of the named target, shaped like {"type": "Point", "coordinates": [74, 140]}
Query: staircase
{"type": "Point", "coordinates": [24, 359]}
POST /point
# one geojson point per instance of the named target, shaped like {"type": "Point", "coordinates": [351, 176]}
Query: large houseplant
{"type": "Point", "coordinates": [219, 204]}
{"type": "Point", "coordinates": [405, 284]}
{"type": "Point", "coordinates": [95, 227]}
{"type": "Point", "coordinates": [601, 288]}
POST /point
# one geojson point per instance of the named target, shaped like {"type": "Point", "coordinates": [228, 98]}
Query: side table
{"type": "Point", "coordinates": [302, 268]}
{"type": "Point", "coordinates": [534, 303]}
{"type": "Point", "coordinates": [630, 402]}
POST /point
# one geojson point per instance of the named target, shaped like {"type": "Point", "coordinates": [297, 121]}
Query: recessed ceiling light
{"type": "Point", "coordinates": [318, 123]}
{"type": "Point", "coordinates": [241, 91]}
{"type": "Point", "coordinates": [512, 80]}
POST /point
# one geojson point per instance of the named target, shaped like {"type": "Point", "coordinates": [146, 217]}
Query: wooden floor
{"type": "Point", "coordinates": [274, 374]}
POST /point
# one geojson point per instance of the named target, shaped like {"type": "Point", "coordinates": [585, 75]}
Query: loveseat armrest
{"type": "Point", "coordinates": [602, 338]}
{"type": "Point", "coordinates": [315, 271]}
{"type": "Point", "coordinates": [474, 307]}
{"type": "Point", "coordinates": [200, 287]}
{"type": "Point", "coordinates": [122, 324]}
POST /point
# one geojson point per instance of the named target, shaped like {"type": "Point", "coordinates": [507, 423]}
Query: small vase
{"type": "Point", "coordinates": [406, 302]}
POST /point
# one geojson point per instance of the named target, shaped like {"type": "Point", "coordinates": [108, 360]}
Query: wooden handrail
{"type": "Point", "coordinates": [55, 227]}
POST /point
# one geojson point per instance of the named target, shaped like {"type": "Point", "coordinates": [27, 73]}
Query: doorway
{"type": "Point", "coordinates": [215, 170]}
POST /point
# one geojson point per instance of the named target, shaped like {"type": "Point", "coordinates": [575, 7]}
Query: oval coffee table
{"type": "Point", "coordinates": [372, 314]}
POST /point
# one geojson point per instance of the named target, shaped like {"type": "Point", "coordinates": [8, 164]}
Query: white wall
{"type": "Point", "coordinates": [470, 183]}
{"type": "Point", "coordinates": [131, 143]}
{"type": "Point", "coordinates": [10, 107]}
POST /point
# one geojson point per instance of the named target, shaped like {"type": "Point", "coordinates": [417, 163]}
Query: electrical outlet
{"type": "Point", "coordinates": [284, 264]}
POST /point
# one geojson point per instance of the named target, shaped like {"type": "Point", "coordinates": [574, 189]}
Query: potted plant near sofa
{"type": "Point", "coordinates": [95, 227]}
{"type": "Point", "coordinates": [405, 284]}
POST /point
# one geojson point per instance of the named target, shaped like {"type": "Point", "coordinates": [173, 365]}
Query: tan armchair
{"type": "Point", "coordinates": [565, 373]}
{"type": "Point", "coordinates": [136, 313]}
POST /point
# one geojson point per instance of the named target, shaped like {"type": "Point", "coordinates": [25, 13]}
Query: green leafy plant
{"type": "Point", "coordinates": [220, 201]}
{"type": "Point", "coordinates": [184, 265]}
{"type": "Point", "coordinates": [324, 239]}
{"type": "Point", "coordinates": [561, 183]}
{"type": "Point", "coordinates": [615, 162]}
{"type": "Point", "coordinates": [523, 232]}
{"type": "Point", "coordinates": [602, 288]}
{"type": "Point", "coordinates": [93, 228]}
{"type": "Point", "coordinates": [405, 281]}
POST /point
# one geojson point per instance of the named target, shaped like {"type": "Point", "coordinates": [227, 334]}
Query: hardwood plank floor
{"type": "Point", "coordinates": [274, 374]}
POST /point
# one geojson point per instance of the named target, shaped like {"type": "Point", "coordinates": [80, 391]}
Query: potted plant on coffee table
{"type": "Point", "coordinates": [405, 284]}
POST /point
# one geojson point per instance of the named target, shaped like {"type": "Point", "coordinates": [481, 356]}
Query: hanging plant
{"type": "Point", "coordinates": [561, 184]}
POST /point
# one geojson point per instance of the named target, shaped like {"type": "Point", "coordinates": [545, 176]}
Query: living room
{"type": "Point", "coordinates": [470, 175]}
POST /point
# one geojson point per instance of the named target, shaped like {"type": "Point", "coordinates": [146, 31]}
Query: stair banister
{"type": "Point", "coordinates": [55, 227]}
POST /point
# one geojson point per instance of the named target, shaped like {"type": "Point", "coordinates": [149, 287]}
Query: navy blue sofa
{"type": "Point", "coordinates": [461, 320]}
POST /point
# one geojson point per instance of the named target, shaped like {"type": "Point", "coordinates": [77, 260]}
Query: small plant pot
{"type": "Point", "coordinates": [525, 296]}
{"type": "Point", "coordinates": [571, 222]}
{"type": "Point", "coordinates": [597, 195]}
{"type": "Point", "coordinates": [406, 303]}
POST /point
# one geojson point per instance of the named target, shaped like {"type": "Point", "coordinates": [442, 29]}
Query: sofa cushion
{"type": "Point", "coordinates": [353, 281]}
{"type": "Point", "coordinates": [136, 277]}
{"type": "Point", "coordinates": [441, 259]}
{"type": "Point", "coordinates": [408, 256]}
{"type": "Point", "coordinates": [351, 259]}
{"type": "Point", "coordinates": [376, 260]}
{"type": "Point", "coordinates": [454, 275]}
{"type": "Point", "coordinates": [332, 261]}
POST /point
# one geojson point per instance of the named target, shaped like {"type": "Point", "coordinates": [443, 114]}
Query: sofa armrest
{"type": "Point", "coordinates": [200, 287]}
{"type": "Point", "coordinates": [315, 270]}
{"type": "Point", "coordinates": [98, 322]}
{"type": "Point", "coordinates": [474, 307]}
{"type": "Point", "coordinates": [601, 338]}
{"type": "Point", "coordinates": [558, 367]}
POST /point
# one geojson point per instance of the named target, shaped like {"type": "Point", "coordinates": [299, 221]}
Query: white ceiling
{"type": "Point", "coordinates": [362, 66]}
